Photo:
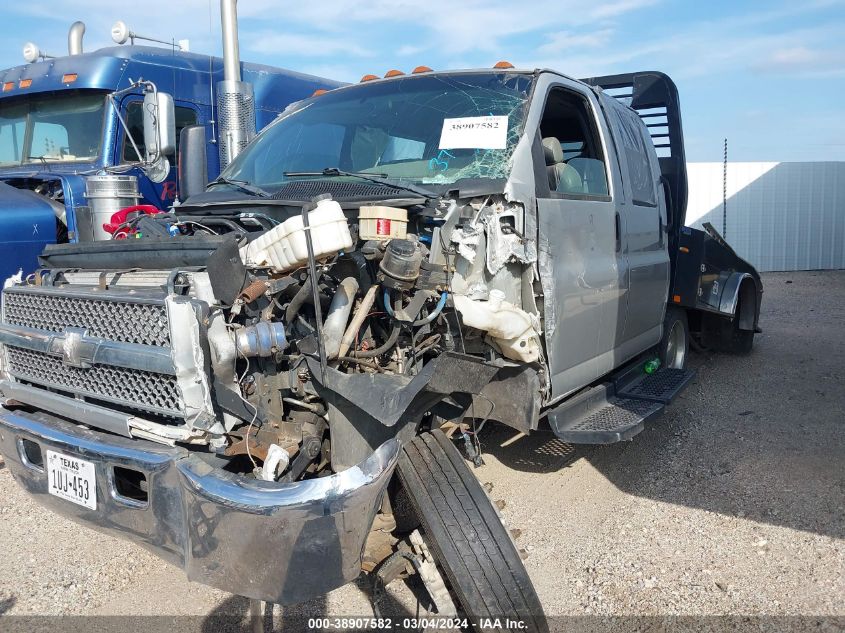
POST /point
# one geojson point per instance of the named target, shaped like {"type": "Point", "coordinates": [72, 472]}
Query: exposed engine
{"type": "Point", "coordinates": [296, 357]}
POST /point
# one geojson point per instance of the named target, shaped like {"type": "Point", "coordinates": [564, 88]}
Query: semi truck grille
{"type": "Point", "coordinates": [141, 390]}
{"type": "Point", "coordinates": [122, 321]}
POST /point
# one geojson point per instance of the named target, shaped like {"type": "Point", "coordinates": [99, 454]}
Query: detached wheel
{"type": "Point", "coordinates": [463, 531]}
{"type": "Point", "coordinates": [675, 342]}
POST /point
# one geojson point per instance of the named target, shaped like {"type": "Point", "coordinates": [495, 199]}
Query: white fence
{"type": "Point", "coordinates": [780, 216]}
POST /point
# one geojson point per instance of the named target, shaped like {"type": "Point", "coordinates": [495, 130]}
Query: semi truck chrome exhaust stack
{"type": "Point", "coordinates": [74, 38]}
{"type": "Point", "coordinates": [235, 98]}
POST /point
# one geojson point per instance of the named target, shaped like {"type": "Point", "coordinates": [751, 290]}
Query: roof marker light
{"type": "Point", "coordinates": [368, 78]}
{"type": "Point", "coordinates": [393, 73]}
{"type": "Point", "coordinates": [318, 92]}
{"type": "Point", "coordinates": [503, 64]}
{"type": "Point", "coordinates": [420, 69]}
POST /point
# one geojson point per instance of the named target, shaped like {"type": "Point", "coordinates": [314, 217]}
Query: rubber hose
{"type": "Point", "coordinates": [378, 351]}
{"type": "Point", "coordinates": [437, 310]}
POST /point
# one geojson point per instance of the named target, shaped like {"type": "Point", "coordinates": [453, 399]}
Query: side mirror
{"type": "Point", "coordinates": [192, 161]}
{"type": "Point", "coordinates": [159, 125]}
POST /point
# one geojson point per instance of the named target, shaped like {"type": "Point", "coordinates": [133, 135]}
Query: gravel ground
{"type": "Point", "coordinates": [733, 502]}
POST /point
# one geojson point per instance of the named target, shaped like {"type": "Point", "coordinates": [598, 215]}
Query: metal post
{"type": "Point", "coordinates": [725, 192]}
{"type": "Point", "coordinates": [231, 49]}
{"type": "Point", "coordinates": [315, 292]}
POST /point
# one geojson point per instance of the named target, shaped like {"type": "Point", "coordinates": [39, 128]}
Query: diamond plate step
{"type": "Point", "coordinates": [661, 386]}
{"type": "Point", "coordinates": [598, 417]}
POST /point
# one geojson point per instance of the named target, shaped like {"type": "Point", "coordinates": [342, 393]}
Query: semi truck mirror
{"type": "Point", "coordinates": [192, 161]}
{"type": "Point", "coordinates": [159, 125]}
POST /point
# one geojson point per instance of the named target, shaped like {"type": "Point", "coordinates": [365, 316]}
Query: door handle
{"type": "Point", "coordinates": [660, 229]}
{"type": "Point", "coordinates": [618, 233]}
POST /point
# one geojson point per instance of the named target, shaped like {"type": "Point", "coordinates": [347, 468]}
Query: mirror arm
{"type": "Point", "coordinates": [125, 127]}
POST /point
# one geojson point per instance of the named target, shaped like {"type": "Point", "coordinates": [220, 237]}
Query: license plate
{"type": "Point", "coordinates": [72, 479]}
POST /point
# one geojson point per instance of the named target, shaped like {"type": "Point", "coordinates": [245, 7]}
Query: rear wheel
{"type": "Point", "coordinates": [675, 342]}
{"type": "Point", "coordinates": [462, 529]}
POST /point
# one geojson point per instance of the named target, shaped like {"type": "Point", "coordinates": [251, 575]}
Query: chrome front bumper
{"type": "Point", "coordinates": [283, 543]}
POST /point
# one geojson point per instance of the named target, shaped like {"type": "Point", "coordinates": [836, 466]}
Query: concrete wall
{"type": "Point", "coordinates": [780, 216]}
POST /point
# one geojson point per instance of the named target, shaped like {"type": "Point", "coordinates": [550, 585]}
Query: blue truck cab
{"type": "Point", "coordinates": [59, 126]}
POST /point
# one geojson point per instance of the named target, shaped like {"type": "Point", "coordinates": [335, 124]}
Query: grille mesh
{"type": "Point", "coordinates": [132, 388]}
{"type": "Point", "coordinates": [142, 323]}
{"type": "Point", "coordinates": [307, 189]}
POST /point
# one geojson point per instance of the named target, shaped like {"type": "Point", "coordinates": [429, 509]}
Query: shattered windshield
{"type": "Point", "coordinates": [434, 129]}
{"type": "Point", "coordinates": [51, 127]}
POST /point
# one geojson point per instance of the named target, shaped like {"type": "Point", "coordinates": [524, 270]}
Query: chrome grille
{"type": "Point", "coordinates": [122, 321]}
{"type": "Point", "coordinates": [132, 388]}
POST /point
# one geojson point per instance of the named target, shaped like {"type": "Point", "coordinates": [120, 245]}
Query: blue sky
{"type": "Point", "coordinates": [768, 75]}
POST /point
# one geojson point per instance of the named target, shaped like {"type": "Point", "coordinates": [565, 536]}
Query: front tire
{"type": "Point", "coordinates": [464, 533]}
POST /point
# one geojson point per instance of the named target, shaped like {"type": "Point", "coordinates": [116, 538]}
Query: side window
{"type": "Point", "coordinates": [135, 122]}
{"type": "Point", "coordinates": [630, 135]}
{"type": "Point", "coordinates": [574, 159]}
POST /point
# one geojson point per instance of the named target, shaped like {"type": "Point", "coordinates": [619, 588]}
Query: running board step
{"type": "Point", "coordinates": [597, 417]}
{"type": "Point", "coordinates": [661, 386]}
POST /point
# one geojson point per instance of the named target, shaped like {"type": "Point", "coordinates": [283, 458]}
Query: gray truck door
{"type": "Point", "coordinates": [645, 230]}
{"type": "Point", "coordinates": [584, 283]}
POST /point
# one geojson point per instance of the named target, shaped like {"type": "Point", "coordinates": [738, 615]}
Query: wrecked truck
{"type": "Point", "coordinates": [266, 385]}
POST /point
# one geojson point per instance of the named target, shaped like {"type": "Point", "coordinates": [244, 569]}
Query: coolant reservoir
{"type": "Point", "coordinates": [511, 328]}
{"type": "Point", "coordinates": [383, 223]}
{"type": "Point", "coordinates": [284, 247]}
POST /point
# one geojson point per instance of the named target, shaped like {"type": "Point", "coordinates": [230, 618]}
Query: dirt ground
{"type": "Point", "coordinates": [733, 502]}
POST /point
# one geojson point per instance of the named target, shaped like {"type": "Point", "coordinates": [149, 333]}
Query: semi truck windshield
{"type": "Point", "coordinates": [418, 129]}
{"type": "Point", "coordinates": [51, 127]}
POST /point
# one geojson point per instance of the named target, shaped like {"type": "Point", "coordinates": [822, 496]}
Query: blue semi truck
{"type": "Point", "coordinates": [65, 120]}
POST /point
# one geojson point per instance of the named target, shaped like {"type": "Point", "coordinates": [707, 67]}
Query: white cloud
{"type": "Point", "coordinates": [620, 7]}
{"type": "Point", "coordinates": [270, 42]}
{"type": "Point", "coordinates": [569, 40]}
{"type": "Point", "coordinates": [802, 59]}
{"type": "Point", "coordinates": [409, 49]}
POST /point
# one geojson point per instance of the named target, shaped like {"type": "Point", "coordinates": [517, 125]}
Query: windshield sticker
{"type": "Point", "coordinates": [474, 132]}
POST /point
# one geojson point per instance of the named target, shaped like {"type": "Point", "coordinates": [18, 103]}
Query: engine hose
{"type": "Point", "coordinates": [357, 321]}
{"type": "Point", "coordinates": [378, 351]}
{"type": "Point", "coordinates": [386, 300]}
{"type": "Point", "coordinates": [441, 303]}
{"type": "Point", "coordinates": [298, 300]}
{"type": "Point", "coordinates": [437, 310]}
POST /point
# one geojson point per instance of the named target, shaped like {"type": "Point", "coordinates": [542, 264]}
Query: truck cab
{"type": "Point", "coordinates": [58, 125]}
